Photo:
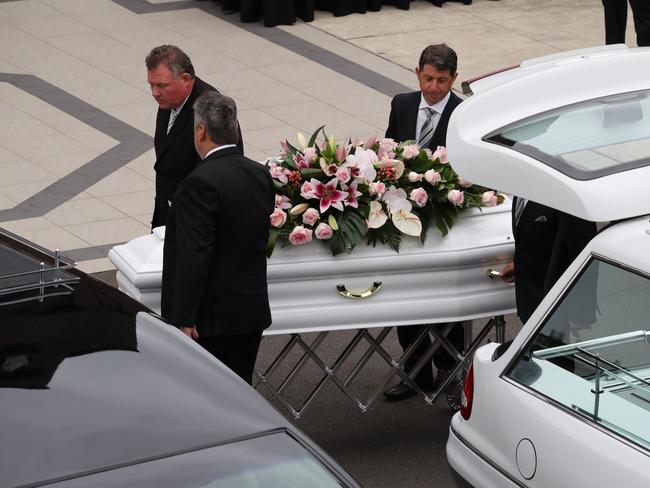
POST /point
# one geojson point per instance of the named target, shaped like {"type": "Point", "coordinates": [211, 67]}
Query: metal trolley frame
{"type": "Point", "coordinates": [332, 371]}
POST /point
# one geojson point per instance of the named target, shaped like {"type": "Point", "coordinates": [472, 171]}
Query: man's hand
{"type": "Point", "coordinates": [190, 332]}
{"type": "Point", "coordinates": [508, 272]}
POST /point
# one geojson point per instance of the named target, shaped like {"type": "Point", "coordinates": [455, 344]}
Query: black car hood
{"type": "Point", "coordinates": [90, 380]}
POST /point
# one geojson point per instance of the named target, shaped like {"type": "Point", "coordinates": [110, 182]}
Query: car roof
{"type": "Point", "coordinates": [564, 131]}
{"type": "Point", "coordinates": [90, 379]}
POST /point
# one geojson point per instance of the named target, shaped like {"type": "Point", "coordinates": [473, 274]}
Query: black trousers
{"type": "Point", "coordinates": [441, 358]}
{"type": "Point", "coordinates": [616, 20]}
{"type": "Point", "coordinates": [238, 352]}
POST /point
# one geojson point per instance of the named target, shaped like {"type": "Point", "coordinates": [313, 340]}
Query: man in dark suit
{"type": "Point", "coordinates": [175, 87]}
{"type": "Point", "coordinates": [616, 21]}
{"type": "Point", "coordinates": [214, 261]}
{"type": "Point", "coordinates": [423, 116]}
{"type": "Point", "coordinates": [546, 243]}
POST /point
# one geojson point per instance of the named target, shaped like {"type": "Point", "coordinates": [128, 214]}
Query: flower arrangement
{"type": "Point", "coordinates": [342, 193]}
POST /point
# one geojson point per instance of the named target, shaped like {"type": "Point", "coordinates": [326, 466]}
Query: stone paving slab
{"type": "Point", "coordinates": [77, 119]}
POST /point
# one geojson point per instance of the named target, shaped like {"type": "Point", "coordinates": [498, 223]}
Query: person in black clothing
{"type": "Point", "coordinates": [616, 21]}
{"type": "Point", "coordinates": [423, 116]}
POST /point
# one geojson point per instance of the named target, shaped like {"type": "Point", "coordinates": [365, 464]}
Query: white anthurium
{"type": "Point", "coordinates": [407, 223]}
{"type": "Point", "coordinates": [377, 216]}
{"type": "Point", "coordinates": [302, 142]}
{"type": "Point", "coordinates": [398, 166]}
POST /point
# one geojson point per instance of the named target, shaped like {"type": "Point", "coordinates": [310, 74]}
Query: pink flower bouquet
{"type": "Point", "coordinates": [342, 193]}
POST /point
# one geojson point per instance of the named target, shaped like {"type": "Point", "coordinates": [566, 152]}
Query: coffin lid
{"type": "Point", "coordinates": [571, 131]}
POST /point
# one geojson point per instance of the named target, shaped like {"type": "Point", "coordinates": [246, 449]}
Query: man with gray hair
{"type": "Point", "coordinates": [214, 261]}
{"type": "Point", "coordinates": [175, 87]}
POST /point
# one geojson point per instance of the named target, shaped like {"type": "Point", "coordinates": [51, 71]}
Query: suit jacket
{"type": "Point", "coordinates": [403, 118]}
{"type": "Point", "coordinates": [546, 243]}
{"type": "Point", "coordinates": [176, 156]}
{"type": "Point", "coordinates": [214, 259]}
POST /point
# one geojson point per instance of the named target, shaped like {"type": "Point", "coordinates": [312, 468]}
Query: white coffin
{"type": "Point", "coordinates": [444, 280]}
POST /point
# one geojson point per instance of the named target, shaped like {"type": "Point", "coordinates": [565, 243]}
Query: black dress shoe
{"type": "Point", "coordinates": [400, 391]}
{"type": "Point", "coordinates": [438, 3]}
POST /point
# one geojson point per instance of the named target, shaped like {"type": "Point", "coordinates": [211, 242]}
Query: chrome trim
{"type": "Point", "coordinates": [484, 458]}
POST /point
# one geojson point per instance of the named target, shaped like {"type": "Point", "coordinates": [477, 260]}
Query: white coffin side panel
{"type": "Point", "coordinates": [444, 280]}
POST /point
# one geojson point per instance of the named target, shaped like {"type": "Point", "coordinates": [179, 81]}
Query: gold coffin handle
{"type": "Point", "coordinates": [343, 291]}
{"type": "Point", "coordinates": [493, 274]}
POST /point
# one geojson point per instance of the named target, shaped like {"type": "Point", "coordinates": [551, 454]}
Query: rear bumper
{"type": "Point", "coordinates": [472, 469]}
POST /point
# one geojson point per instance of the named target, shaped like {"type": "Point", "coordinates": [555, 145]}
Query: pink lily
{"type": "Point", "coordinates": [353, 194]}
{"type": "Point", "coordinates": [328, 194]}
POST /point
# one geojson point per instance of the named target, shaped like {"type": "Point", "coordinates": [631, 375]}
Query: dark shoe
{"type": "Point", "coordinates": [467, 2]}
{"type": "Point", "coordinates": [401, 391]}
{"type": "Point", "coordinates": [438, 3]}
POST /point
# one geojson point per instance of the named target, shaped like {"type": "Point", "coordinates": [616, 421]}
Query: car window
{"type": "Point", "coordinates": [586, 140]}
{"type": "Point", "coordinates": [592, 354]}
{"type": "Point", "coordinates": [268, 461]}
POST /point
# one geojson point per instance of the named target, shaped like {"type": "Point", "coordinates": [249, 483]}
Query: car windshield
{"type": "Point", "coordinates": [592, 354]}
{"type": "Point", "coordinates": [268, 461]}
{"type": "Point", "coordinates": [586, 140]}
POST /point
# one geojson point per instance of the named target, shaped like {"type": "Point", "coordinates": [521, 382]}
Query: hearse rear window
{"type": "Point", "coordinates": [586, 140]}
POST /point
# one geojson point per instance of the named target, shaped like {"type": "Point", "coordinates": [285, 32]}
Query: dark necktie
{"type": "Point", "coordinates": [426, 132]}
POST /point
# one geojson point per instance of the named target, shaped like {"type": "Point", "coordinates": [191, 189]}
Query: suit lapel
{"type": "Point", "coordinates": [184, 117]}
{"type": "Point", "coordinates": [411, 116]}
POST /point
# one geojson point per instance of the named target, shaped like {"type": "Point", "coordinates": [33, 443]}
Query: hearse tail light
{"type": "Point", "coordinates": [467, 397]}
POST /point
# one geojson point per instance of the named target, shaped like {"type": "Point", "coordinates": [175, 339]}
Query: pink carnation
{"type": "Point", "coordinates": [300, 235]}
{"type": "Point", "coordinates": [323, 231]}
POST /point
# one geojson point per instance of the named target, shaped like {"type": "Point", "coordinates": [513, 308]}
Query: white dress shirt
{"type": "Point", "coordinates": [422, 114]}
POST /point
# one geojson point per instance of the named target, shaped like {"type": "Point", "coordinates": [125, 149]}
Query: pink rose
{"type": "Point", "coordinates": [377, 188]}
{"type": "Point", "coordinates": [323, 231]}
{"type": "Point", "coordinates": [464, 183]}
{"type": "Point", "coordinates": [307, 190]}
{"type": "Point", "coordinates": [428, 152]}
{"type": "Point", "coordinates": [410, 151]}
{"type": "Point", "coordinates": [489, 199]}
{"type": "Point", "coordinates": [414, 177]}
{"type": "Point", "coordinates": [311, 216]}
{"type": "Point", "coordinates": [299, 235]}
{"type": "Point", "coordinates": [441, 153]}
{"type": "Point", "coordinates": [278, 218]}
{"type": "Point", "coordinates": [419, 196]}
{"type": "Point", "coordinates": [343, 174]}
{"type": "Point", "coordinates": [432, 177]}
{"type": "Point", "coordinates": [456, 197]}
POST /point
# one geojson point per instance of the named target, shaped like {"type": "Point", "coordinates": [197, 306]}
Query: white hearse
{"type": "Point", "coordinates": [566, 404]}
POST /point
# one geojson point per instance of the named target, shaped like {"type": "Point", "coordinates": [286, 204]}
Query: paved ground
{"type": "Point", "coordinates": [76, 126]}
{"type": "Point", "coordinates": [76, 118]}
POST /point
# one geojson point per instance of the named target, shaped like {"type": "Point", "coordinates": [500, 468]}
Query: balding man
{"type": "Point", "coordinates": [175, 87]}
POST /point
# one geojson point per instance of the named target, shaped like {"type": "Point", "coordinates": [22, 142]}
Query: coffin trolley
{"type": "Point", "coordinates": [446, 280]}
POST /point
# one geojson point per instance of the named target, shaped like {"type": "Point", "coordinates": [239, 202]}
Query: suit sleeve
{"type": "Point", "coordinates": [390, 131]}
{"type": "Point", "coordinates": [195, 208]}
